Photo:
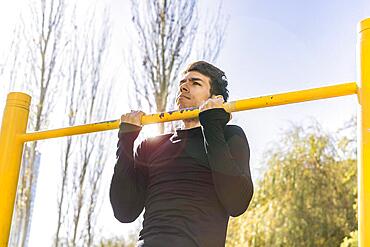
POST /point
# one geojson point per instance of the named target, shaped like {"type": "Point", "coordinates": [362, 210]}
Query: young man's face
{"type": "Point", "coordinates": [194, 89]}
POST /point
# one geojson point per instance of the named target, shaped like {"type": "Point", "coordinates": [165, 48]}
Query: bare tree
{"type": "Point", "coordinates": [12, 62]}
{"type": "Point", "coordinates": [166, 31]}
{"type": "Point", "coordinates": [211, 34]}
{"type": "Point", "coordinates": [87, 100]}
{"type": "Point", "coordinates": [41, 46]}
{"type": "Point", "coordinates": [43, 54]}
{"type": "Point", "coordinates": [74, 89]}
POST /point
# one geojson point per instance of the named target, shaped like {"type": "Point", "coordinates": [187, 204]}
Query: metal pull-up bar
{"type": "Point", "coordinates": [13, 133]}
{"type": "Point", "coordinates": [234, 106]}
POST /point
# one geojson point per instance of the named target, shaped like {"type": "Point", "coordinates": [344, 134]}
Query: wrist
{"type": "Point", "coordinates": [214, 116]}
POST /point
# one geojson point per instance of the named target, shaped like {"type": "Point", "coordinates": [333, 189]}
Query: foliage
{"type": "Point", "coordinates": [351, 241]}
{"type": "Point", "coordinates": [117, 242]}
{"type": "Point", "coordinates": [306, 196]}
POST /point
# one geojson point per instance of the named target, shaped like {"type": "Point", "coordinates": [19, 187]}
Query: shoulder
{"type": "Point", "coordinates": [234, 129]}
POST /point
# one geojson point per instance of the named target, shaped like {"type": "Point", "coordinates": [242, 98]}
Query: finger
{"type": "Point", "coordinates": [135, 113]}
{"type": "Point", "coordinates": [217, 101]}
{"type": "Point", "coordinates": [220, 98]}
{"type": "Point", "coordinates": [217, 97]}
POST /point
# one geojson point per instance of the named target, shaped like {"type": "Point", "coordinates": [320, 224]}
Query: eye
{"type": "Point", "coordinates": [196, 83]}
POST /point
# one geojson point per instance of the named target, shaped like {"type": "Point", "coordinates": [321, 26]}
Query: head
{"type": "Point", "coordinates": [201, 81]}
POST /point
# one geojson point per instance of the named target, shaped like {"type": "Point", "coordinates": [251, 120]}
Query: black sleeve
{"type": "Point", "coordinates": [228, 155]}
{"type": "Point", "coordinates": [128, 185]}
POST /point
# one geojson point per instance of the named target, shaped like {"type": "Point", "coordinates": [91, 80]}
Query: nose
{"type": "Point", "coordinates": [184, 87]}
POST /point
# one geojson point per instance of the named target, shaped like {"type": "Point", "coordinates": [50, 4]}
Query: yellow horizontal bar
{"type": "Point", "coordinates": [234, 106]}
{"type": "Point", "coordinates": [295, 97]}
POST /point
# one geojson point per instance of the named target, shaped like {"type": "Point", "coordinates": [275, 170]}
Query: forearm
{"type": "Point", "coordinates": [229, 162]}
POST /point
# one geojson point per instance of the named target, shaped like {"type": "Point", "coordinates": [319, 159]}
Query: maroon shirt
{"type": "Point", "coordinates": [189, 182]}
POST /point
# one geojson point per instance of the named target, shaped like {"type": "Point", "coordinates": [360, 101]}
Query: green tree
{"type": "Point", "coordinates": [351, 241]}
{"type": "Point", "coordinates": [306, 195]}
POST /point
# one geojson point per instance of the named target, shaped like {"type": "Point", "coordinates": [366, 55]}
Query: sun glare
{"type": "Point", "coordinates": [150, 130]}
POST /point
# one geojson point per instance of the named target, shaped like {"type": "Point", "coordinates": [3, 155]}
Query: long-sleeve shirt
{"type": "Point", "coordinates": [189, 182]}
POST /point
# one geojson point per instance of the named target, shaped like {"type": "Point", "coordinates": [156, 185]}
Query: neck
{"type": "Point", "coordinates": [191, 123]}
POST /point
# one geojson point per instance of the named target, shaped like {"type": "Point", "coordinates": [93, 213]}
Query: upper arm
{"type": "Point", "coordinates": [129, 182]}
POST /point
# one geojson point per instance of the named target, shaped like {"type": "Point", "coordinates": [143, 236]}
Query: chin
{"type": "Point", "coordinates": [183, 106]}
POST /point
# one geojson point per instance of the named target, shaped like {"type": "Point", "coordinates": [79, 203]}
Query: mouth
{"type": "Point", "coordinates": [183, 96]}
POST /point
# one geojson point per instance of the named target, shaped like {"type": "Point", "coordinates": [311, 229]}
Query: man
{"type": "Point", "coordinates": [190, 181]}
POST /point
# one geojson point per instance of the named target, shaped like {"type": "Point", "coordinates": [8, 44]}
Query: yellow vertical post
{"type": "Point", "coordinates": [14, 123]}
{"type": "Point", "coordinates": [363, 158]}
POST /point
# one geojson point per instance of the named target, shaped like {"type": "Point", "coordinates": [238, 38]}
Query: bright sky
{"type": "Point", "coordinates": [271, 47]}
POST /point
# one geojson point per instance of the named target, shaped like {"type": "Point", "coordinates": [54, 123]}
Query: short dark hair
{"type": "Point", "coordinates": [218, 78]}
